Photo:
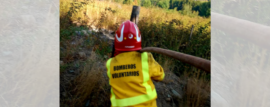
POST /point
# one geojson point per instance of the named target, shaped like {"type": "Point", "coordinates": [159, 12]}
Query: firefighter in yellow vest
{"type": "Point", "coordinates": [131, 72]}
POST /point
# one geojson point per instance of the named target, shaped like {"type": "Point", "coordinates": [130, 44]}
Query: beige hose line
{"type": "Point", "coordinates": [192, 60]}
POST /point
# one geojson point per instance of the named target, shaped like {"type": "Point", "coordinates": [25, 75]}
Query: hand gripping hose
{"type": "Point", "coordinates": [192, 60]}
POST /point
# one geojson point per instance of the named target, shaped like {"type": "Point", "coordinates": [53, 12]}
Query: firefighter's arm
{"type": "Point", "coordinates": [155, 70]}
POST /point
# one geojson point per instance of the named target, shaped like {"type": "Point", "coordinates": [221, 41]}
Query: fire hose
{"type": "Point", "coordinates": [197, 62]}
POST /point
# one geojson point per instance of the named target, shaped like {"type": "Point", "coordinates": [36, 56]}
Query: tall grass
{"type": "Point", "coordinates": [159, 28]}
{"type": "Point", "coordinates": [92, 85]}
{"type": "Point", "coordinates": [197, 90]}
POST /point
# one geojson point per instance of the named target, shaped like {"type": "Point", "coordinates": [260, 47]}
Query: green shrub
{"type": "Point", "coordinates": [146, 3]}
{"type": "Point", "coordinates": [170, 36]}
{"type": "Point", "coordinates": [128, 2]}
{"type": "Point", "coordinates": [119, 1]}
{"type": "Point", "coordinates": [164, 4]}
{"type": "Point", "coordinates": [139, 2]}
{"type": "Point", "coordinates": [204, 9]}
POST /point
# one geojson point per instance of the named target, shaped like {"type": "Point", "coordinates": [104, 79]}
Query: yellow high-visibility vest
{"type": "Point", "coordinates": [130, 75]}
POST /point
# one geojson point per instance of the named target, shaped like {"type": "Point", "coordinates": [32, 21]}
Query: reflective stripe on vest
{"type": "Point", "coordinates": [137, 99]}
{"type": "Point", "coordinates": [108, 68]}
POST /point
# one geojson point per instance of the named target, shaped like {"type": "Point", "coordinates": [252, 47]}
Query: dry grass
{"type": "Point", "coordinates": [117, 13]}
{"type": "Point", "coordinates": [196, 90]}
{"type": "Point", "coordinates": [196, 86]}
{"type": "Point", "coordinates": [90, 85]}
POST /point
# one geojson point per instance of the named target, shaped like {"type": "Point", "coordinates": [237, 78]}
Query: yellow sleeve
{"type": "Point", "coordinates": [155, 70]}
